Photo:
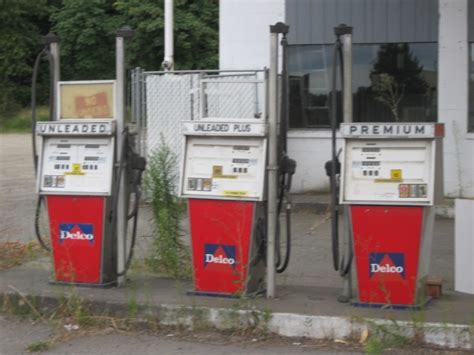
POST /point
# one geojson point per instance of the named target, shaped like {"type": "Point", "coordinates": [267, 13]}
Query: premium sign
{"type": "Point", "coordinates": [224, 128]}
{"type": "Point", "coordinates": [74, 128]}
{"type": "Point", "coordinates": [379, 130]}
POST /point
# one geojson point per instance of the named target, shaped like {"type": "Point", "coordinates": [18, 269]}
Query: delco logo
{"type": "Point", "coordinates": [76, 231]}
{"type": "Point", "coordinates": [387, 263]}
{"type": "Point", "coordinates": [219, 254]}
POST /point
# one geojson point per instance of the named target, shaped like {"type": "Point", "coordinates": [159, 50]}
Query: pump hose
{"type": "Point", "coordinates": [134, 214]}
{"type": "Point", "coordinates": [285, 177]}
{"type": "Point", "coordinates": [34, 79]}
{"type": "Point", "coordinates": [281, 267]}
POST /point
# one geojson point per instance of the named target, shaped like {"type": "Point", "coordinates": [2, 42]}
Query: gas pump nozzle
{"type": "Point", "coordinates": [287, 169]}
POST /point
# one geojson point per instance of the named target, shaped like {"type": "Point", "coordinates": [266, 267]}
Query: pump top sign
{"type": "Point", "coordinates": [392, 130]}
{"type": "Point", "coordinates": [75, 128]}
{"type": "Point", "coordinates": [224, 128]}
{"type": "Point", "coordinates": [86, 99]}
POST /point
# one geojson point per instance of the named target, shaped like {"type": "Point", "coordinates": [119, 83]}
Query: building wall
{"type": "Point", "coordinates": [374, 21]}
{"type": "Point", "coordinates": [244, 32]}
{"type": "Point", "coordinates": [453, 103]}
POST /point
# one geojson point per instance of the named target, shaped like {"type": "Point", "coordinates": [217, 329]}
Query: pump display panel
{"type": "Point", "coordinates": [76, 165]}
{"type": "Point", "coordinates": [231, 167]}
{"type": "Point", "coordinates": [388, 171]}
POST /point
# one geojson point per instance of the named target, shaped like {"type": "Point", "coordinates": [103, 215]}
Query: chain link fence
{"type": "Point", "coordinates": [161, 100]}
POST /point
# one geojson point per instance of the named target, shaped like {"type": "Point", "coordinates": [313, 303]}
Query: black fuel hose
{"type": "Point", "coordinates": [39, 202]}
{"type": "Point", "coordinates": [286, 167]}
{"type": "Point", "coordinates": [134, 214]}
{"type": "Point", "coordinates": [44, 52]}
{"type": "Point", "coordinates": [333, 181]}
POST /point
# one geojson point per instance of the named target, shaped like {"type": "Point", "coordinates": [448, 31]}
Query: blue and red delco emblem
{"type": "Point", "coordinates": [387, 264]}
{"type": "Point", "coordinates": [219, 254]}
{"type": "Point", "coordinates": [76, 231]}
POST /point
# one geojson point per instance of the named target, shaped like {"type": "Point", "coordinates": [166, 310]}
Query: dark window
{"type": "Point", "coordinates": [391, 82]}
{"type": "Point", "coordinates": [470, 122]}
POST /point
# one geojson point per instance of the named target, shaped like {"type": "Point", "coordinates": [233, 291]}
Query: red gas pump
{"type": "Point", "coordinates": [87, 172]}
{"type": "Point", "coordinates": [391, 179]}
{"type": "Point", "coordinates": [388, 182]}
{"type": "Point", "coordinates": [224, 176]}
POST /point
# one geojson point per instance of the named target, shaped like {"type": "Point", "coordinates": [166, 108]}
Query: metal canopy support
{"type": "Point", "coordinates": [273, 155]}
{"type": "Point", "coordinates": [53, 42]}
{"type": "Point", "coordinates": [122, 208]}
{"type": "Point", "coordinates": [346, 35]}
{"type": "Point", "coordinates": [168, 61]}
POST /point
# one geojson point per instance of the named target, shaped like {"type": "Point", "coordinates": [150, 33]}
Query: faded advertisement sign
{"type": "Point", "coordinates": [86, 100]}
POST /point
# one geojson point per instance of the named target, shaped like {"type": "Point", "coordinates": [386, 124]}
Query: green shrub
{"type": "Point", "coordinates": [169, 254]}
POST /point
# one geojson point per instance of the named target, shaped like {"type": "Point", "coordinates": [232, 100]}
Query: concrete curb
{"type": "Point", "coordinates": [283, 324]}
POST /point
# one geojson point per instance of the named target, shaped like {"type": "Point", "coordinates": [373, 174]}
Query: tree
{"type": "Point", "coordinates": [388, 91]}
{"type": "Point", "coordinates": [396, 73]}
{"type": "Point", "coordinates": [87, 32]}
{"type": "Point", "coordinates": [195, 28]}
{"type": "Point", "coordinates": [87, 28]}
{"type": "Point", "coordinates": [19, 40]}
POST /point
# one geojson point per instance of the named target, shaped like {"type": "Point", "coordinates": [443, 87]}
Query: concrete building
{"type": "Point", "coordinates": [426, 46]}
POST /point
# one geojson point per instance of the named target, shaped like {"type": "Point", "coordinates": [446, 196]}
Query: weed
{"type": "Point", "coordinates": [38, 346]}
{"type": "Point", "coordinates": [15, 253]}
{"type": "Point", "coordinates": [170, 255]}
{"type": "Point", "coordinates": [132, 307]}
{"type": "Point", "coordinates": [21, 121]}
{"type": "Point", "coordinates": [384, 337]}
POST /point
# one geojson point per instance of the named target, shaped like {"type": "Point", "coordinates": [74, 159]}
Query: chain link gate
{"type": "Point", "coordinates": [161, 100]}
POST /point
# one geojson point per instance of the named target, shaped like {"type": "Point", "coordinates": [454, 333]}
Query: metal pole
{"type": "Point", "coordinates": [346, 34]}
{"type": "Point", "coordinates": [272, 157]}
{"type": "Point", "coordinates": [347, 58]}
{"type": "Point", "coordinates": [347, 109]}
{"type": "Point", "coordinates": [122, 212]}
{"type": "Point", "coordinates": [54, 48]}
{"type": "Point", "coordinates": [168, 61]}
{"type": "Point", "coordinates": [53, 42]}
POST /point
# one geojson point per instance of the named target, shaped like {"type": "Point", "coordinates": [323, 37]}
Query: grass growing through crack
{"type": "Point", "coordinates": [38, 346]}
{"type": "Point", "coordinates": [15, 253]}
{"type": "Point", "coordinates": [384, 337]}
{"type": "Point", "coordinates": [169, 254]}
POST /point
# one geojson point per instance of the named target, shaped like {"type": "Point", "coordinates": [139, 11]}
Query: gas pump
{"type": "Point", "coordinates": [388, 181]}
{"type": "Point", "coordinates": [224, 176]}
{"type": "Point", "coordinates": [87, 173]}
